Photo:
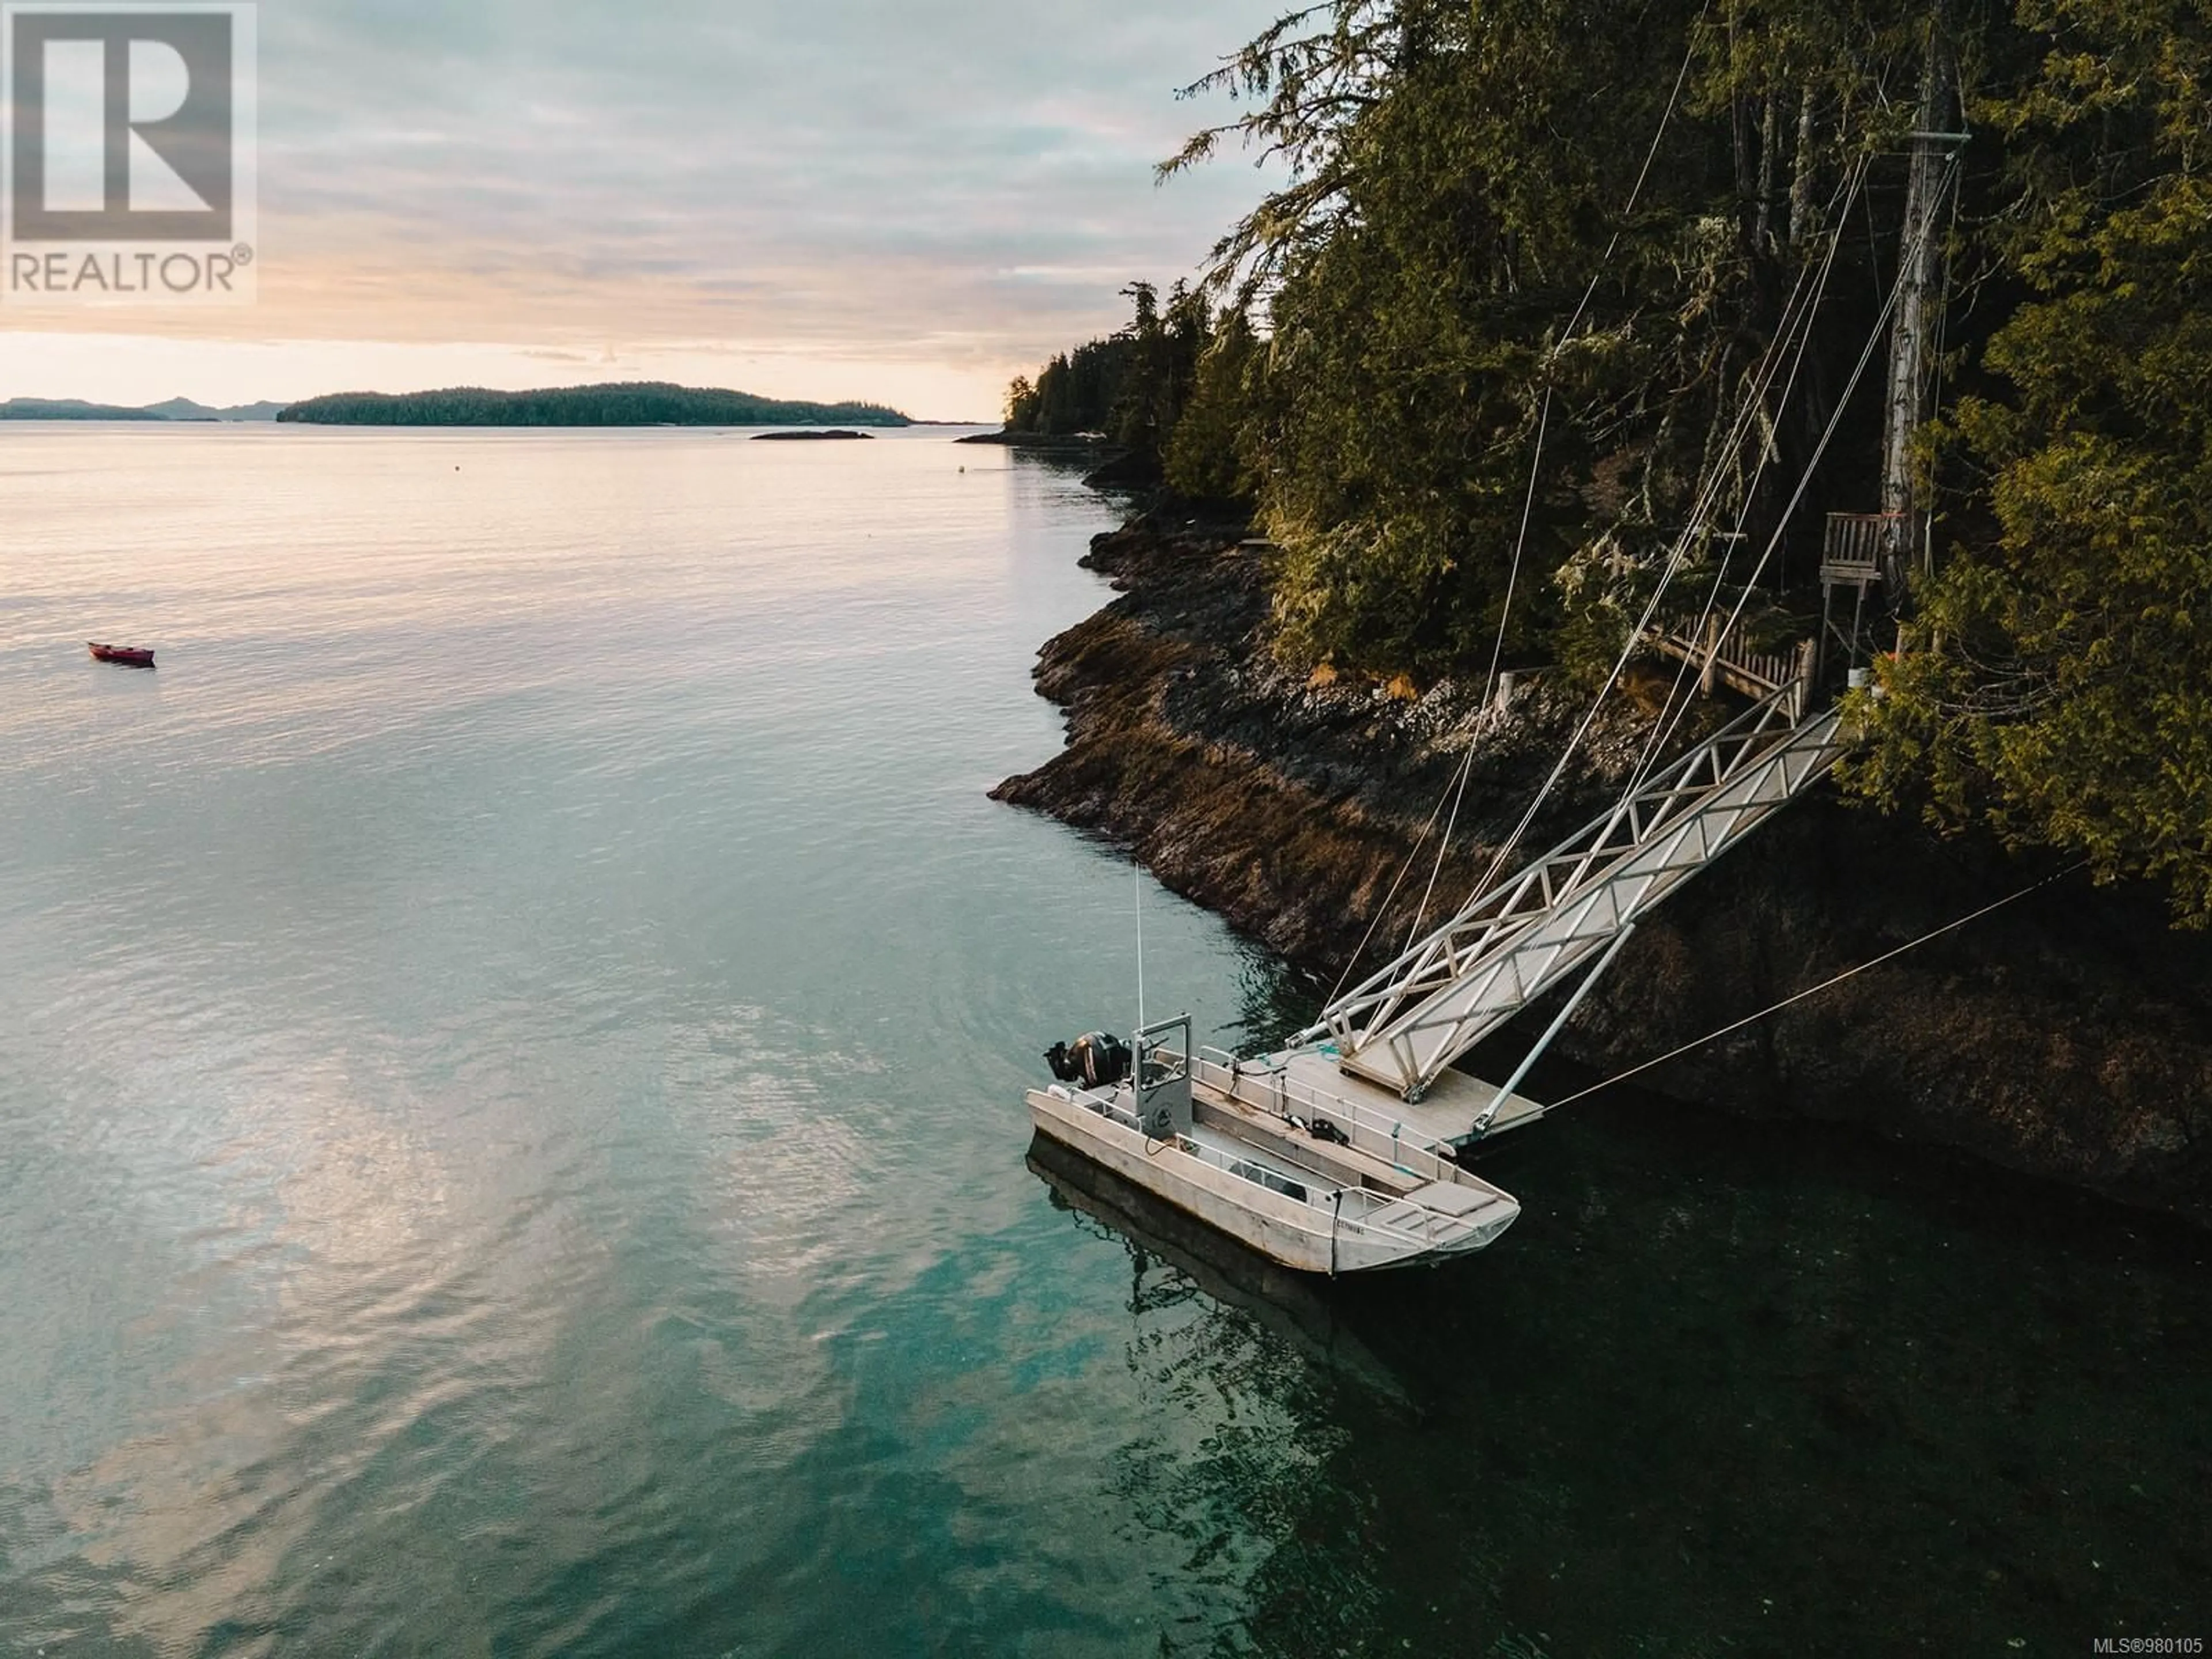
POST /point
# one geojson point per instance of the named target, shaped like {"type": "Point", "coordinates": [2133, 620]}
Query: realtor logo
{"type": "Point", "coordinates": [128, 172]}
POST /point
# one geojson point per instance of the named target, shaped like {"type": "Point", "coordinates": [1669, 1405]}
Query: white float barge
{"type": "Point", "coordinates": [1310, 1177]}
{"type": "Point", "coordinates": [1341, 1154]}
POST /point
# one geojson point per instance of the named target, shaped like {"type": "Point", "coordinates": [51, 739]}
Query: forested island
{"type": "Point", "coordinates": [71, 409]}
{"type": "Point", "coordinates": [174, 409]}
{"type": "Point", "coordinates": [1567, 329]}
{"type": "Point", "coordinates": [646, 403]}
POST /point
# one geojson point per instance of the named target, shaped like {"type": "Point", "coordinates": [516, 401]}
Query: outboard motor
{"type": "Point", "coordinates": [1097, 1059]}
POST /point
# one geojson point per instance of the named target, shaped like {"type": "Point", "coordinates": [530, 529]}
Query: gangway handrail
{"type": "Point", "coordinates": [1527, 895]}
{"type": "Point", "coordinates": [1409, 1020]}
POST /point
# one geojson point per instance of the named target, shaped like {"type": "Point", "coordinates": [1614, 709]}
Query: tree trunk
{"type": "Point", "coordinates": [1920, 259]}
{"type": "Point", "coordinates": [1764, 240]}
{"type": "Point", "coordinates": [1801, 178]}
{"type": "Point", "coordinates": [1742, 141]}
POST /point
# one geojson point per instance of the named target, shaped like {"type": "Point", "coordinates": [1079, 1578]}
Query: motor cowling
{"type": "Point", "coordinates": [1097, 1059]}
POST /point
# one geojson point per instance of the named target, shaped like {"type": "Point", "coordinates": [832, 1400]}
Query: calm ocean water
{"type": "Point", "coordinates": [510, 1046]}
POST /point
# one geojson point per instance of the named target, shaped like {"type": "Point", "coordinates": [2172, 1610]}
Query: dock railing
{"type": "Point", "coordinates": [1364, 1128]}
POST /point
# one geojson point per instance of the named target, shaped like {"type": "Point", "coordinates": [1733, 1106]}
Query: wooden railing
{"type": "Point", "coordinates": [1725, 662]}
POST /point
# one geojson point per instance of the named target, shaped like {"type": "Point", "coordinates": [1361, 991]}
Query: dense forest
{"type": "Point", "coordinates": [1559, 304]}
{"type": "Point", "coordinates": [637, 404]}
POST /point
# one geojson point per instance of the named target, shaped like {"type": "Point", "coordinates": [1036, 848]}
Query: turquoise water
{"type": "Point", "coordinates": [510, 1046]}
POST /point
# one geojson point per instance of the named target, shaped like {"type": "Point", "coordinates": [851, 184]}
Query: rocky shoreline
{"type": "Point", "coordinates": [2067, 1037]}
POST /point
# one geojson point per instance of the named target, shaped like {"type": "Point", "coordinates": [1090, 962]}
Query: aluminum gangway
{"type": "Point", "coordinates": [1570, 911]}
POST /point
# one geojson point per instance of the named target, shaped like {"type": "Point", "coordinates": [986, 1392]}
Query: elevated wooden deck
{"type": "Point", "coordinates": [1725, 661]}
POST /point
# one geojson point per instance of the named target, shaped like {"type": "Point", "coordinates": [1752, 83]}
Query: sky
{"type": "Point", "coordinates": [905, 200]}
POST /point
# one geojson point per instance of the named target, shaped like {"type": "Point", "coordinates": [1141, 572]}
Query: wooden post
{"type": "Point", "coordinates": [1827, 611]}
{"type": "Point", "coordinates": [1712, 656]}
{"type": "Point", "coordinates": [1801, 697]}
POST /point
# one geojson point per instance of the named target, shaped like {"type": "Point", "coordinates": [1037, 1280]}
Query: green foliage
{"type": "Point", "coordinates": [2069, 699]}
{"type": "Point", "coordinates": [1130, 387]}
{"type": "Point", "coordinates": [1206, 454]}
{"type": "Point", "coordinates": [1489, 346]}
{"type": "Point", "coordinates": [70, 409]}
{"type": "Point", "coordinates": [637, 404]}
{"type": "Point", "coordinates": [1455, 275]}
{"type": "Point", "coordinates": [1075, 392]}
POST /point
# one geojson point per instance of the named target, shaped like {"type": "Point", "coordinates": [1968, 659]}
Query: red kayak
{"type": "Point", "coordinates": [132, 656]}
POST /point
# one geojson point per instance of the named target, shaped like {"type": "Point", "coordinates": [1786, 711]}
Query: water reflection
{"type": "Point", "coordinates": [1727, 1386]}
{"type": "Point", "coordinates": [512, 1139]}
{"type": "Point", "coordinates": [1174, 1258]}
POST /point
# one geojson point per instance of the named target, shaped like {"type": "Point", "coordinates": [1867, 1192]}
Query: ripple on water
{"type": "Point", "coordinates": [511, 1046]}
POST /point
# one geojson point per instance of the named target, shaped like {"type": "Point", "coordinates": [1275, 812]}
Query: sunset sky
{"type": "Point", "coordinates": [883, 198]}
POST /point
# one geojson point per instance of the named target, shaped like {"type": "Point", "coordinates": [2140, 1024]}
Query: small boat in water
{"type": "Point", "coordinates": [1308, 1178]}
{"type": "Point", "coordinates": [130, 656]}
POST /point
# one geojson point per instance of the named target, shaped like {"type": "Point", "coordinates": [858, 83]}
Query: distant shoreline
{"type": "Point", "coordinates": [176, 411]}
{"type": "Point", "coordinates": [640, 404]}
{"type": "Point", "coordinates": [616, 407]}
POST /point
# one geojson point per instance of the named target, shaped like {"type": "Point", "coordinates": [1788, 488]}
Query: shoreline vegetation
{"type": "Point", "coordinates": [1482, 411]}
{"type": "Point", "coordinates": [646, 403]}
{"type": "Point", "coordinates": [1382, 462]}
{"type": "Point", "coordinates": [175, 409]}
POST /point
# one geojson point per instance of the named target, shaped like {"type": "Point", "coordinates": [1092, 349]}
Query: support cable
{"type": "Point", "coordinates": [1799, 323]}
{"type": "Point", "coordinates": [1835, 420]}
{"type": "Point", "coordinates": [1535, 471]}
{"type": "Point", "coordinates": [1490, 680]}
{"type": "Point", "coordinates": [1404, 870]}
{"type": "Point", "coordinates": [1803, 305]}
{"type": "Point", "coordinates": [1137, 885]}
{"type": "Point", "coordinates": [1815, 990]}
{"type": "Point", "coordinates": [1663, 731]}
{"type": "Point", "coordinates": [1675, 559]}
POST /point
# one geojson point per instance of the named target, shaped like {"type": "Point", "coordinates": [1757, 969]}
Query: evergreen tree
{"type": "Point", "coordinates": [2066, 694]}
{"type": "Point", "coordinates": [1206, 457]}
{"type": "Point", "coordinates": [1546, 281]}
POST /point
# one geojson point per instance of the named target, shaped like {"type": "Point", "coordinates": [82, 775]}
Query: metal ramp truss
{"type": "Point", "coordinates": [1510, 943]}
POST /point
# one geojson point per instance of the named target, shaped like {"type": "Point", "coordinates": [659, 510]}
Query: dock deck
{"type": "Point", "coordinates": [1310, 1078]}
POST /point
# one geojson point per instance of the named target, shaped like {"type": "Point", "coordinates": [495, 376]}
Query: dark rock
{"type": "Point", "coordinates": [2068, 1035]}
{"type": "Point", "coordinates": [1126, 471]}
{"type": "Point", "coordinates": [1082, 443]}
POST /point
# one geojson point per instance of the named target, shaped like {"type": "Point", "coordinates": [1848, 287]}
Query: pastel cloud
{"type": "Point", "coordinates": [944, 188]}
